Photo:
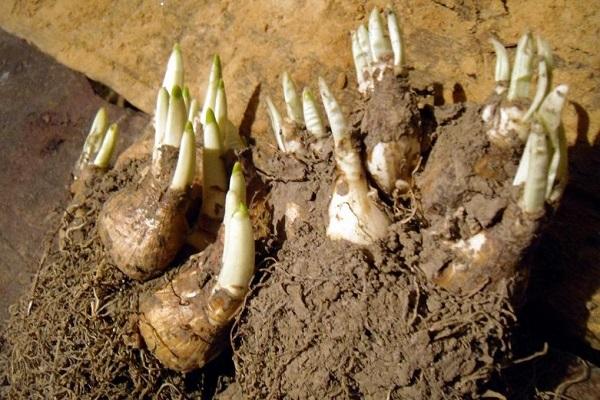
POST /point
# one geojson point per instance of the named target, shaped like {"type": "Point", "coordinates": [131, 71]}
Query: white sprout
{"type": "Point", "coordinates": [314, 123]}
{"type": "Point", "coordinates": [108, 146]}
{"type": "Point", "coordinates": [211, 89]}
{"type": "Point", "coordinates": [378, 38]}
{"type": "Point", "coordinates": [534, 192]}
{"type": "Point", "coordinates": [276, 124]}
{"type": "Point", "coordinates": [213, 170]}
{"type": "Point", "coordinates": [174, 73]}
{"type": "Point", "coordinates": [292, 100]}
{"type": "Point", "coordinates": [395, 39]}
{"type": "Point", "coordinates": [502, 72]}
{"type": "Point", "coordinates": [353, 211]}
{"type": "Point", "coordinates": [176, 119]}
{"type": "Point", "coordinates": [94, 138]}
{"type": "Point", "coordinates": [523, 69]}
{"type": "Point", "coordinates": [160, 119]}
{"type": "Point", "coordinates": [186, 162]}
{"type": "Point", "coordinates": [238, 255]}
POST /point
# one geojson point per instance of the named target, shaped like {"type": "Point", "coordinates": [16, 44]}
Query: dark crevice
{"type": "Point", "coordinates": [111, 96]}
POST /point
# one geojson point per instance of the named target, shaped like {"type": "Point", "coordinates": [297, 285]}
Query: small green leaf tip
{"type": "Point", "coordinates": [237, 168]}
{"type": "Point", "coordinates": [176, 92]}
{"type": "Point", "coordinates": [189, 127]}
{"type": "Point", "coordinates": [217, 63]}
{"type": "Point", "coordinates": [221, 84]}
{"type": "Point", "coordinates": [186, 91]}
{"type": "Point", "coordinates": [177, 47]}
{"type": "Point", "coordinates": [307, 94]}
{"type": "Point", "coordinates": [242, 210]}
{"type": "Point", "coordinates": [210, 117]}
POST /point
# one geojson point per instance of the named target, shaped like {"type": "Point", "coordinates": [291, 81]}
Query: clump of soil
{"type": "Point", "coordinates": [334, 320]}
{"type": "Point", "coordinates": [466, 189]}
{"type": "Point", "coordinates": [77, 336]}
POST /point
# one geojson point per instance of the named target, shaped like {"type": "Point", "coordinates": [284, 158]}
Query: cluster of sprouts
{"type": "Point", "coordinates": [374, 50]}
{"type": "Point", "coordinates": [144, 228]}
{"type": "Point", "coordinates": [515, 119]}
{"type": "Point", "coordinates": [220, 136]}
{"type": "Point", "coordinates": [100, 143]}
{"type": "Point", "coordinates": [355, 212]}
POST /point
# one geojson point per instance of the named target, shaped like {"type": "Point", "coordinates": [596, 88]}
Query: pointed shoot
{"type": "Point", "coordinates": [337, 121]}
{"type": "Point", "coordinates": [108, 147]}
{"type": "Point", "coordinates": [211, 89]}
{"type": "Point", "coordinates": [520, 79]}
{"type": "Point", "coordinates": [235, 196]}
{"type": "Point", "coordinates": [502, 73]}
{"type": "Point", "coordinates": [292, 100]}
{"type": "Point", "coordinates": [551, 109]}
{"type": "Point", "coordinates": [238, 256]}
{"type": "Point", "coordinates": [237, 183]}
{"type": "Point", "coordinates": [396, 39]}
{"type": "Point", "coordinates": [174, 74]}
{"type": "Point", "coordinates": [361, 62]}
{"type": "Point", "coordinates": [379, 40]}
{"type": "Point", "coordinates": [95, 137]}
{"type": "Point", "coordinates": [186, 163]}
{"type": "Point", "coordinates": [541, 90]}
{"type": "Point", "coordinates": [193, 110]}
{"type": "Point", "coordinates": [314, 123]}
{"type": "Point", "coordinates": [276, 124]}
{"type": "Point", "coordinates": [545, 52]}
{"type": "Point", "coordinates": [160, 118]}
{"type": "Point", "coordinates": [522, 170]}
{"type": "Point", "coordinates": [185, 93]}
{"type": "Point", "coordinates": [176, 119]}
{"type": "Point", "coordinates": [363, 40]}
{"type": "Point", "coordinates": [213, 169]}
{"type": "Point", "coordinates": [534, 193]}
{"type": "Point", "coordinates": [221, 103]}
{"type": "Point", "coordinates": [549, 115]}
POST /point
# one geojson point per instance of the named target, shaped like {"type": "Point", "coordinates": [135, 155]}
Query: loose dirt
{"type": "Point", "coordinates": [330, 319]}
{"type": "Point", "coordinates": [76, 336]}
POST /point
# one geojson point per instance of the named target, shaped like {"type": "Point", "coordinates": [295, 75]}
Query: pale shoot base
{"type": "Point", "coordinates": [108, 147]}
{"type": "Point", "coordinates": [186, 163]}
{"type": "Point", "coordinates": [354, 214]}
{"type": "Point", "coordinates": [94, 138]}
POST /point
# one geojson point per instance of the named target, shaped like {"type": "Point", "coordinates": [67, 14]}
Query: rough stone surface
{"type": "Point", "coordinates": [45, 113]}
{"type": "Point", "coordinates": [125, 44]}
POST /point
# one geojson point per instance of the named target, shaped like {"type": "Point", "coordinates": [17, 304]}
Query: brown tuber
{"type": "Point", "coordinates": [144, 225]}
{"type": "Point", "coordinates": [183, 322]}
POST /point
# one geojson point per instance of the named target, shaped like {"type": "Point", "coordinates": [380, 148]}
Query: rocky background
{"type": "Point", "coordinates": [124, 44]}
